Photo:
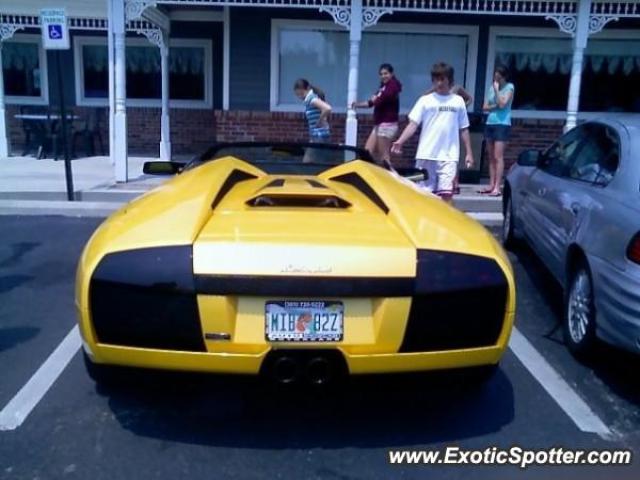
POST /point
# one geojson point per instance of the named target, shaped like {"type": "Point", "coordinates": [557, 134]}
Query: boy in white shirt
{"type": "Point", "coordinates": [443, 118]}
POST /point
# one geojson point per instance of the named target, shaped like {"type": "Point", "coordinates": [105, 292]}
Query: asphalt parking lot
{"type": "Point", "coordinates": [219, 428]}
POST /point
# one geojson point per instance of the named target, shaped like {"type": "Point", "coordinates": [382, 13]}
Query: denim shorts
{"type": "Point", "coordinates": [497, 133]}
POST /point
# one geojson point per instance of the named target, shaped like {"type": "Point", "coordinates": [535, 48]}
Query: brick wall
{"type": "Point", "coordinates": [192, 131]}
{"type": "Point", "coordinates": [526, 134]}
{"type": "Point", "coordinates": [290, 126]}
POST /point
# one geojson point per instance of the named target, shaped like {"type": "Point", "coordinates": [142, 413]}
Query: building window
{"type": "Point", "coordinates": [540, 66]}
{"type": "Point", "coordinates": [319, 51]}
{"type": "Point", "coordinates": [24, 70]}
{"type": "Point", "coordinates": [189, 72]}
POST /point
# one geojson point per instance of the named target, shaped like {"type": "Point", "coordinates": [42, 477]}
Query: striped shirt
{"type": "Point", "coordinates": [313, 115]}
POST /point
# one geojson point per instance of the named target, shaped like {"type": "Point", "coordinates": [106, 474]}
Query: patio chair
{"type": "Point", "coordinates": [90, 132]}
{"type": "Point", "coordinates": [54, 137]}
{"type": "Point", "coordinates": [34, 131]}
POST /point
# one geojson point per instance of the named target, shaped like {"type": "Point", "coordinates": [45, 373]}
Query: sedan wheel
{"type": "Point", "coordinates": [579, 323]}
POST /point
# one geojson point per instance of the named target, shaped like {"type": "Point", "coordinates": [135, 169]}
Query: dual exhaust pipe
{"type": "Point", "coordinates": [317, 370]}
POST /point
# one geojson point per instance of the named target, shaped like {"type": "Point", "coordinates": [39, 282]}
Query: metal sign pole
{"type": "Point", "coordinates": [63, 125]}
{"type": "Point", "coordinates": [55, 36]}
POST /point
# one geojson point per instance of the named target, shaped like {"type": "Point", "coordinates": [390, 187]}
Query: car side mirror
{"type": "Point", "coordinates": [162, 168]}
{"type": "Point", "coordinates": [529, 158]}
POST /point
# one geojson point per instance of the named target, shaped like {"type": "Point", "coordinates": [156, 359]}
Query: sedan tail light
{"type": "Point", "coordinates": [633, 250]}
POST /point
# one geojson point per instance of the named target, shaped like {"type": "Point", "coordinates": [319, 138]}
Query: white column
{"type": "Point", "coordinates": [165, 135]}
{"type": "Point", "coordinates": [120, 117]}
{"type": "Point", "coordinates": [226, 57]}
{"type": "Point", "coordinates": [112, 103]}
{"type": "Point", "coordinates": [4, 144]}
{"type": "Point", "coordinates": [579, 44]}
{"type": "Point", "coordinates": [355, 35]}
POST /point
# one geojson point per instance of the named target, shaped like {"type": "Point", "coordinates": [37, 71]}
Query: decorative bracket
{"type": "Point", "coordinates": [154, 35]}
{"type": "Point", "coordinates": [133, 9]}
{"type": "Point", "coordinates": [598, 22]}
{"type": "Point", "coordinates": [8, 29]}
{"type": "Point", "coordinates": [569, 23]}
{"type": "Point", "coordinates": [371, 15]}
{"type": "Point", "coordinates": [341, 15]}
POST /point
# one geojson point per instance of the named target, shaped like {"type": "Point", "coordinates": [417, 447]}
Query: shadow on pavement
{"type": "Point", "coordinates": [13, 336]}
{"type": "Point", "coordinates": [376, 411]}
{"type": "Point", "coordinates": [618, 369]}
{"type": "Point", "coordinates": [615, 367]}
{"type": "Point", "coordinates": [541, 277]}
{"type": "Point", "coordinates": [18, 250]}
{"type": "Point", "coordinates": [9, 282]}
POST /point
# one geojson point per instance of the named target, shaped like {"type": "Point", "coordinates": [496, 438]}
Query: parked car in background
{"type": "Point", "coordinates": [577, 205]}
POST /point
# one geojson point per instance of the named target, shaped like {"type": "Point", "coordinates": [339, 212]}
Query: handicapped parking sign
{"type": "Point", "coordinates": [55, 33]}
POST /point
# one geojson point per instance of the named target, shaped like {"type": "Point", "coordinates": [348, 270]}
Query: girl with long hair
{"type": "Point", "coordinates": [498, 127]}
{"type": "Point", "coordinates": [316, 110]}
{"type": "Point", "coordinates": [386, 108]}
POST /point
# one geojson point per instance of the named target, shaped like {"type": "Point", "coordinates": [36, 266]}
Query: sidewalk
{"type": "Point", "coordinates": [22, 175]}
{"type": "Point", "coordinates": [37, 187]}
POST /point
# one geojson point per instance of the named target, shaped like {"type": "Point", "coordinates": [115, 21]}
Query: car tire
{"type": "Point", "coordinates": [579, 322]}
{"type": "Point", "coordinates": [508, 234]}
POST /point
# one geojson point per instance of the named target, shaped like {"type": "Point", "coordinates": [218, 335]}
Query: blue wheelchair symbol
{"type": "Point", "coordinates": [55, 32]}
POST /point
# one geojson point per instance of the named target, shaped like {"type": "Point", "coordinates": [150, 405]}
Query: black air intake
{"type": "Point", "coordinates": [146, 298]}
{"type": "Point", "coordinates": [459, 302]}
{"type": "Point", "coordinates": [303, 201]}
{"type": "Point", "coordinates": [360, 184]}
{"type": "Point", "coordinates": [235, 177]}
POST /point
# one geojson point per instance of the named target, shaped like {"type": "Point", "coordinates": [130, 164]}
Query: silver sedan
{"type": "Point", "coordinates": [577, 205]}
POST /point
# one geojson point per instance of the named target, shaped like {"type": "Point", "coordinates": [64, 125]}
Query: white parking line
{"type": "Point", "coordinates": [577, 409]}
{"type": "Point", "coordinates": [20, 406]}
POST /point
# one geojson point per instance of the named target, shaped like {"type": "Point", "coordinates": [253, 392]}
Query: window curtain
{"type": "Point", "coordinates": [182, 60]}
{"type": "Point", "coordinates": [21, 69]}
{"type": "Point", "coordinates": [19, 56]}
{"type": "Point", "coordinates": [555, 55]}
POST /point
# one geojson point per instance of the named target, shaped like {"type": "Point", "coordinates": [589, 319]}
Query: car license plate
{"type": "Point", "coordinates": [304, 321]}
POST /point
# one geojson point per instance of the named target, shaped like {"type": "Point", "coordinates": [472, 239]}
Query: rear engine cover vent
{"type": "Point", "coordinates": [303, 201]}
{"type": "Point", "coordinates": [316, 184]}
{"type": "Point", "coordinates": [278, 182]}
{"type": "Point", "coordinates": [360, 184]}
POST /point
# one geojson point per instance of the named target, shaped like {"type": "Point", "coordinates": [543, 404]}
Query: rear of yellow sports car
{"type": "Point", "coordinates": [228, 269]}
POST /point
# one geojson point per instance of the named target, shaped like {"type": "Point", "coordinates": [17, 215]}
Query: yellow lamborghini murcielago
{"type": "Point", "coordinates": [294, 260]}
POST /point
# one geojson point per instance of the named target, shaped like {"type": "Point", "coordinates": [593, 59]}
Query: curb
{"type": "Point", "coordinates": [488, 219]}
{"type": "Point", "coordinates": [87, 196]}
{"type": "Point", "coordinates": [58, 207]}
